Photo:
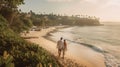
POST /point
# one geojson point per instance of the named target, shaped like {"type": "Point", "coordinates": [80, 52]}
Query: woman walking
{"type": "Point", "coordinates": [65, 48]}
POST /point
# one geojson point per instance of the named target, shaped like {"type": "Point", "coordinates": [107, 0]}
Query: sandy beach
{"type": "Point", "coordinates": [86, 57]}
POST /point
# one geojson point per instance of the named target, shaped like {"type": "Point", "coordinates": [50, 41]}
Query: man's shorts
{"type": "Point", "coordinates": [60, 50]}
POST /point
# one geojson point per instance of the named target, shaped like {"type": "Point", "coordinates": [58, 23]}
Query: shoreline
{"type": "Point", "coordinates": [107, 56]}
{"type": "Point", "coordinates": [45, 40]}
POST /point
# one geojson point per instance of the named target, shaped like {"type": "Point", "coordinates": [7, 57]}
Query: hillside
{"type": "Point", "coordinates": [23, 53]}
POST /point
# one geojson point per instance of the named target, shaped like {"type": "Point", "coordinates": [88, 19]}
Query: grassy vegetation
{"type": "Point", "coordinates": [23, 52]}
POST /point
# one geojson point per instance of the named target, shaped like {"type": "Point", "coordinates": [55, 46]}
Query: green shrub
{"type": "Point", "coordinates": [23, 52]}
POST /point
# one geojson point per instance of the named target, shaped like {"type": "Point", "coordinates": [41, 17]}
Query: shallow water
{"type": "Point", "coordinates": [105, 37]}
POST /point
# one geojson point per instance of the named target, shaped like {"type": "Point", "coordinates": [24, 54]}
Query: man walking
{"type": "Point", "coordinates": [60, 46]}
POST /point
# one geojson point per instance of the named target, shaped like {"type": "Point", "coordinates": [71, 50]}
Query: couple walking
{"type": "Point", "coordinates": [62, 47]}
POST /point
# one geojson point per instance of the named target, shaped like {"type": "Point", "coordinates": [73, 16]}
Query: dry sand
{"type": "Point", "coordinates": [86, 58]}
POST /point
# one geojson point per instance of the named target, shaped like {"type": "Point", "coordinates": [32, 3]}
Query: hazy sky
{"type": "Point", "coordinates": [107, 10]}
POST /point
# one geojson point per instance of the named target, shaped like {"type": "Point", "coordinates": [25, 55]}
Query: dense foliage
{"type": "Point", "coordinates": [8, 8]}
{"type": "Point", "coordinates": [17, 21]}
{"type": "Point", "coordinates": [21, 23]}
{"type": "Point", "coordinates": [24, 53]}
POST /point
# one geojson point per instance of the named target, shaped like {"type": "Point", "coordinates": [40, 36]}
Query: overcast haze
{"type": "Point", "coordinates": [107, 10]}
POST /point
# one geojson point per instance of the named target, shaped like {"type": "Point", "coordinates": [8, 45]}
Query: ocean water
{"type": "Point", "coordinates": [105, 37]}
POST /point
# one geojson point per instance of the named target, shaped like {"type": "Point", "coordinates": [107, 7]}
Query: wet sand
{"type": "Point", "coordinates": [76, 55]}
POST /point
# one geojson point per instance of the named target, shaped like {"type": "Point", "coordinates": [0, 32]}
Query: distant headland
{"type": "Point", "coordinates": [57, 19]}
